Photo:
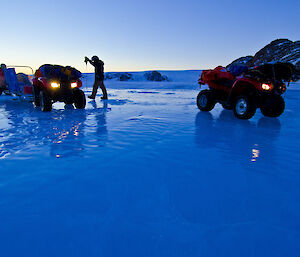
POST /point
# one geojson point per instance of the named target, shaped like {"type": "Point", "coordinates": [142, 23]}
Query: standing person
{"type": "Point", "coordinates": [99, 76]}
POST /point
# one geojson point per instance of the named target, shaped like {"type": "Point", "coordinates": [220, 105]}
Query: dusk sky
{"type": "Point", "coordinates": [142, 35]}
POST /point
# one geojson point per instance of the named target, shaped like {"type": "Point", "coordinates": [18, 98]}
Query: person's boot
{"type": "Point", "coordinates": [94, 92]}
{"type": "Point", "coordinates": [104, 92]}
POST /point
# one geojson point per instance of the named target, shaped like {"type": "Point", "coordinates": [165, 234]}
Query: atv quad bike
{"type": "Point", "coordinates": [260, 87]}
{"type": "Point", "coordinates": [54, 83]}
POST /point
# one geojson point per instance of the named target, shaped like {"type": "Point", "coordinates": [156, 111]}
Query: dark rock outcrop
{"type": "Point", "coordinates": [121, 76]}
{"type": "Point", "coordinates": [125, 77]}
{"type": "Point", "coordinates": [155, 76]}
{"type": "Point", "coordinates": [243, 60]}
{"type": "Point", "coordinates": [279, 50]}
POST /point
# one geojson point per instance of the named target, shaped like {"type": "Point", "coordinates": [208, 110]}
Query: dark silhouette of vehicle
{"type": "Point", "coordinates": [260, 87]}
{"type": "Point", "coordinates": [55, 83]}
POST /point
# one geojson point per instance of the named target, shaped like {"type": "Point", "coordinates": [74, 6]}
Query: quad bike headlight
{"type": "Point", "coordinates": [73, 85]}
{"type": "Point", "coordinates": [55, 85]}
{"type": "Point", "coordinates": [266, 87]}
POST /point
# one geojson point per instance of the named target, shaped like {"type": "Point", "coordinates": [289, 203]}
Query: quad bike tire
{"type": "Point", "coordinates": [36, 96]}
{"type": "Point", "coordinates": [205, 100]}
{"type": "Point", "coordinates": [244, 107]}
{"type": "Point", "coordinates": [46, 102]}
{"type": "Point", "coordinates": [79, 99]}
{"type": "Point", "coordinates": [275, 108]}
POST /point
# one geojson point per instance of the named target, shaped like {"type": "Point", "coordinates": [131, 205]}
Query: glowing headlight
{"type": "Point", "coordinates": [73, 85]}
{"type": "Point", "coordinates": [55, 85]}
{"type": "Point", "coordinates": [266, 87]}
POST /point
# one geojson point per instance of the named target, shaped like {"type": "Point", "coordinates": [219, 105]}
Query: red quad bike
{"type": "Point", "coordinates": [55, 83]}
{"type": "Point", "coordinates": [260, 87]}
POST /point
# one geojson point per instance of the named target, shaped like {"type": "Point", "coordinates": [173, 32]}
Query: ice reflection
{"type": "Point", "coordinates": [255, 154]}
{"type": "Point", "coordinates": [96, 129]}
{"type": "Point", "coordinates": [67, 137]}
{"type": "Point", "coordinates": [61, 133]}
{"type": "Point", "coordinates": [16, 126]}
{"type": "Point", "coordinates": [243, 140]}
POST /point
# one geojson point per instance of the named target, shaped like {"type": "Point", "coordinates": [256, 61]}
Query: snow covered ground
{"type": "Point", "coordinates": [146, 174]}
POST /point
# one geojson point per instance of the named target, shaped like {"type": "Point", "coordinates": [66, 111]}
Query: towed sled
{"type": "Point", "coordinates": [55, 83]}
{"type": "Point", "coordinates": [15, 84]}
{"type": "Point", "coordinates": [260, 87]}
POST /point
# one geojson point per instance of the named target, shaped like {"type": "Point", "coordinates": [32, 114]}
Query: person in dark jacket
{"type": "Point", "coordinates": [99, 76]}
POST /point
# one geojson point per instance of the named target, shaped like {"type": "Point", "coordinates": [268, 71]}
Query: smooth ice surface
{"type": "Point", "coordinates": [146, 174]}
